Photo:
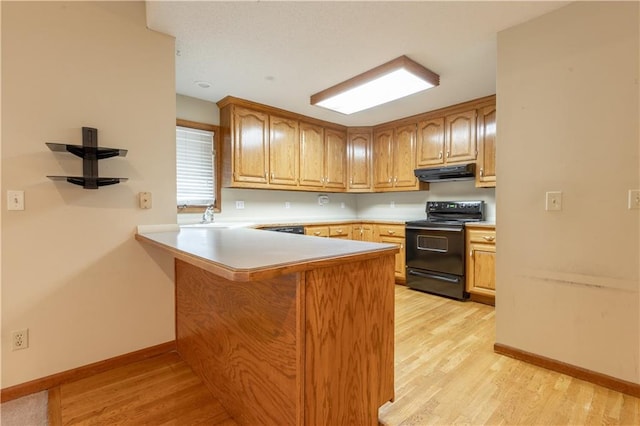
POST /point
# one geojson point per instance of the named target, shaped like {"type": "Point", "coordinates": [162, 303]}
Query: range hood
{"type": "Point", "coordinates": [446, 173]}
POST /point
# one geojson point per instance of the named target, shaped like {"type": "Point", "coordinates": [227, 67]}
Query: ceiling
{"type": "Point", "coordinates": [280, 53]}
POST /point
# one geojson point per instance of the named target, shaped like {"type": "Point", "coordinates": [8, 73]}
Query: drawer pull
{"type": "Point", "coordinates": [391, 232]}
{"type": "Point", "coordinates": [316, 233]}
{"type": "Point", "coordinates": [489, 237]}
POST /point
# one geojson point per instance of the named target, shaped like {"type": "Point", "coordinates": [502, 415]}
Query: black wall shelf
{"type": "Point", "coordinates": [90, 154]}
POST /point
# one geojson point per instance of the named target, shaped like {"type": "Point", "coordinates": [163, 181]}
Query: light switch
{"type": "Point", "coordinates": [15, 200]}
{"type": "Point", "coordinates": [634, 199]}
{"type": "Point", "coordinates": [553, 201]}
{"type": "Point", "coordinates": [144, 199]}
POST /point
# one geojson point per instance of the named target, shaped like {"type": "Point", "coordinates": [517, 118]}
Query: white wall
{"type": "Point", "coordinates": [71, 270]}
{"type": "Point", "coordinates": [568, 282]}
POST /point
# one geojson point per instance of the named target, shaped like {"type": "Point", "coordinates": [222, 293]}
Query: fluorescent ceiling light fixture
{"type": "Point", "coordinates": [394, 80]}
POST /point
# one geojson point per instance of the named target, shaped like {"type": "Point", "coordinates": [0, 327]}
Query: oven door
{"type": "Point", "coordinates": [438, 249]}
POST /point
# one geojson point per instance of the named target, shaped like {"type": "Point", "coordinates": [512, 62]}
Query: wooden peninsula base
{"type": "Point", "coordinates": [310, 343]}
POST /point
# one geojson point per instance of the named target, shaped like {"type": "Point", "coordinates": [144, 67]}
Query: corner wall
{"type": "Point", "coordinates": [71, 270]}
{"type": "Point", "coordinates": [569, 281]}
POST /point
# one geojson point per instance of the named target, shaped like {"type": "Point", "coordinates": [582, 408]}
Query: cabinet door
{"type": "Point", "coordinates": [359, 160]}
{"type": "Point", "coordinates": [460, 137]}
{"type": "Point", "coordinates": [482, 260]}
{"type": "Point", "coordinates": [383, 159]}
{"type": "Point", "coordinates": [317, 231]}
{"type": "Point", "coordinates": [400, 256]}
{"type": "Point", "coordinates": [335, 159]}
{"type": "Point", "coordinates": [486, 175]}
{"type": "Point", "coordinates": [283, 151]}
{"type": "Point", "coordinates": [251, 146]}
{"type": "Point", "coordinates": [311, 155]}
{"type": "Point", "coordinates": [404, 157]}
{"type": "Point", "coordinates": [430, 149]}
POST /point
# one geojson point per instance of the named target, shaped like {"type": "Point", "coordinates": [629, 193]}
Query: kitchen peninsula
{"type": "Point", "coordinates": [283, 328]}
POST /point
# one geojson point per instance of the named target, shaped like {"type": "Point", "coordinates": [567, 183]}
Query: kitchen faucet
{"type": "Point", "coordinates": [207, 216]}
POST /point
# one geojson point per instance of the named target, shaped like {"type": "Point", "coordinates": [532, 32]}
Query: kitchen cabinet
{"type": "Point", "coordinates": [430, 145]}
{"type": "Point", "coordinates": [394, 159]}
{"type": "Point", "coordinates": [480, 269]}
{"type": "Point", "coordinates": [394, 234]}
{"type": "Point", "coordinates": [317, 230]}
{"type": "Point", "coordinates": [359, 159]}
{"type": "Point", "coordinates": [283, 151]}
{"type": "Point", "coordinates": [250, 147]}
{"type": "Point", "coordinates": [323, 157]}
{"type": "Point", "coordinates": [341, 231]}
{"type": "Point", "coordinates": [460, 137]}
{"type": "Point", "coordinates": [486, 163]}
{"type": "Point", "coordinates": [364, 232]}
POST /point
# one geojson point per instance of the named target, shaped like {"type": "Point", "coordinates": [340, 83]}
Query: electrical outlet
{"type": "Point", "coordinates": [239, 205]}
{"type": "Point", "coordinates": [634, 199]}
{"type": "Point", "coordinates": [553, 201]}
{"type": "Point", "coordinates": [287, 205]}
{"type": "Point", "coordinates": [342, 205]}
{"type": "Point", "coordinates": [20, 339]}
{"type": "Point", "coordinates": [392, 204]}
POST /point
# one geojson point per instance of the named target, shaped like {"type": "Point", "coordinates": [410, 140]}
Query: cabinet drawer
{"type": "Point", "coordinates": [340, 231]}
{"type": "Point", "coordinates": [317, 231]}
{"type": "Point", "coordinates": [486, 236]}
{"type": "Point", "coordinates": [391, 230]}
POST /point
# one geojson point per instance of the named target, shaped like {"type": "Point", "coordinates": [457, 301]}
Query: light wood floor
{"type": "Point", "coordinates": [446, 373]}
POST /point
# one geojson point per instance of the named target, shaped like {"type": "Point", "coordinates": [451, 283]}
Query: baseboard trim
{"type": "Point", "coordinates": [48, 382]}
{"type": "Point", "coordinates": [603, 380]}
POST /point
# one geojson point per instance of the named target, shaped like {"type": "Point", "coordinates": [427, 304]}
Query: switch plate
{"type": "Point", "coordinates": [239, 205]}
{"type": "Point", "coordinates": [392, 204]}
{"type": "Point", "coordinates": [634, 199]}
{"type": "Point", "coordinates": [15, 200]}
{"type": "Point", "coordinates": [287, 205]}
{"type": "Point", "coordinates": [553, 201]}
{"type": "Point", "coordinates": [144, 199]}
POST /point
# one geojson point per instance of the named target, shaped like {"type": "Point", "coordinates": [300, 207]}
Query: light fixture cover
{"type": "Point", "coordinates": [390, 81]}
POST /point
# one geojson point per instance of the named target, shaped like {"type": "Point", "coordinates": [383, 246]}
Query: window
{"type": "Point", "coordinates": [197, 166]}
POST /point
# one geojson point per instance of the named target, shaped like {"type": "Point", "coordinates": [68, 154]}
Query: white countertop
{"type": "Point", "coordinates": [242, 252]}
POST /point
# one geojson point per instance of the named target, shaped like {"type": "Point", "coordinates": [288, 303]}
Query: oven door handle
{"type": "Point", "coordinates": [436, 277]}
{"type": "Point", "coordinates": [425, 228]}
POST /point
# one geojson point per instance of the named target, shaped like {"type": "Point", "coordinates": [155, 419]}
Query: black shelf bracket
{"type": "Point", "coordinates": [90, 154]}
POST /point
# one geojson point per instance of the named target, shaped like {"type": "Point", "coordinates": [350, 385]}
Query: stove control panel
{"type": "Point", "coordinates": [464, 207]}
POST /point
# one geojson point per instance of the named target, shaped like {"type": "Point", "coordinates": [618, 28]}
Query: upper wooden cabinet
{"type": "Point", "coordinates": [486, 163]}
{"type": "Point", "coordinates": [283, 151]}
{"type": "Point", "coordinates": [251, 146]}
{"type": "Point", "coordinates": [323, 157]}
{"type": "Point", "coordinates": [430, 150]}
{"type": "Point", "coordinates": [394, 158]}
{"type": "Point", "coordinates": [266, 147]}
{"type": "Point", "coordinates": [335, 159]}
{"type": "Point", "coordinates": [460, 137]}
{"type": "Point", "coordinates": [359, 159]}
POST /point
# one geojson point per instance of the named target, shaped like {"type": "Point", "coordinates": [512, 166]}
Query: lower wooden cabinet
{"type": "Point", "coordinates": [394, 234]}
{"type": "Point", "coordinates": [481, 261]}
{"type": "Point", "coordinates": [317, 230]}
{"type": "Point", "coordinates": [341, 231]}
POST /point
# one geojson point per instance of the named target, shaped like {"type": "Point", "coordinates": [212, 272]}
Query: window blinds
{"type": "Point", "coordinates": [194, 164]}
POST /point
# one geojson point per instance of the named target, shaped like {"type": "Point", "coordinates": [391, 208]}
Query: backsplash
{"type": "Point", "coordinates": [270, 206]}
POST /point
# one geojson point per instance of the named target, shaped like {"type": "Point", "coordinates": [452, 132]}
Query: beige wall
{"type": "Point", "coordinates": [568, 281]}
{"type": "Point", "coordinates": [71, 270]}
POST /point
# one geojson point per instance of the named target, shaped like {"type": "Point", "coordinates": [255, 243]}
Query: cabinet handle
{"type": "Point", "coordinates": [448, 153]}
{"type": "Point", "coordinates": [316, 233]}
{"type": "Point", "coordinates": [471, 253]}
{"type": "Point", "coordinates": [395, 179]}
{"type": "Point", "coordinates": [272, 175]}
{"type": "Point", "coordinates": [389, 180]}
{"type": "Point", "coordinates": [390, 231]}
{"type": "Point", "coordinates": [339, 231]}
{"type": "Point", "coordinates": [489, 238]}
{"type": "Point", "coordinates": [440, 155]}
{"type": "Point", "coordinates": [481, 171]}
{"type": "Point", "coordinates": [351, 181]}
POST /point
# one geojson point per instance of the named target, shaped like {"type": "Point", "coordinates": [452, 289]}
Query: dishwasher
{"type": "Point", "coordinates": [295, 229]}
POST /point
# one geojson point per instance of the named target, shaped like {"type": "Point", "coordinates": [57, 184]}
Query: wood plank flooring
{"type": "Point", "coordinates": [446, 373]}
